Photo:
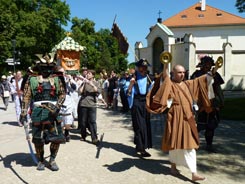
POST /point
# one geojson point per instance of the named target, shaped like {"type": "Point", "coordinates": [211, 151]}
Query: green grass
{"type": "Point", "coordinates": [234, 109]}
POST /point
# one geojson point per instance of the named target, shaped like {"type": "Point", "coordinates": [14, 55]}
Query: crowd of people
{"type": "Point", "coordinates": [61, 98]}
{"type": "Point", "coordinates": [112, 88]}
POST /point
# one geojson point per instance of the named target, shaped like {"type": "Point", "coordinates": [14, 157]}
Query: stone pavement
{"type": "Point", "coordinates": [115, 161]}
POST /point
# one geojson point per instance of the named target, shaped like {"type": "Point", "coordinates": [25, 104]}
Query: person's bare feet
{"type": "Point", "coordinates": [196, 177]}
{"type": "Point", "coordinates": [174, 171]}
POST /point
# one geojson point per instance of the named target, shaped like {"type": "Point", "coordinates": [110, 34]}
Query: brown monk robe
{"type": "Point", "coordinates": [177, 97]}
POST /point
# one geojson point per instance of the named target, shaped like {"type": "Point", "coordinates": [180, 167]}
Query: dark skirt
{"type": "Point", "coordinates": [141, 124]}
{"type": "Point", "coordinates": [46, 133]}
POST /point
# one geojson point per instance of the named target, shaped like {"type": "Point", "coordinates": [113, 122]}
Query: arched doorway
{"type": "Point", "coordinates": [158, 47]}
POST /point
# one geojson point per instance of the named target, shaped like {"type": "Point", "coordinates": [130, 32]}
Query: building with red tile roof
{"type": "Point", "coordinates": [195, 16]}
{"type": "Point", "coordinates": [196, 31]}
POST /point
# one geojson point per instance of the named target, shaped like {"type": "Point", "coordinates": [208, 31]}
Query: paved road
{"type": "Point", "coordinates": [116, 161]}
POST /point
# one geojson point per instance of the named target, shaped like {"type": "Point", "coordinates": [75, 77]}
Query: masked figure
{"type": "Point", "coordinates": [68, 54]}
{"type": "Point", "coordinates": [45, 88]}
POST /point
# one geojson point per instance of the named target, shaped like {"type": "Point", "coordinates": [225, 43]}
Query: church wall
{"type": "Point", "coordinates": [185, 54]}
{"type": "Point", "coordinates": [208, 43]}
{"type": "Point", "coordinates": [237, 42]}
{"type": "Point", "coordinates": [211, 40]}
{"type": "Point", "coordinates": [238, 64]}
{"type": "Point", "coordinates": [180, 55]}
{"type": "Point", "coordinates": [226, 41]}
{"type": "Point", "coordinates": [156, 33]}
{"type": "Point", "coordinates": [192, 58]}
{"type": "Point", "coordinates": [213, 37]}
{"type": "Point", "coordinates": [145, 53]}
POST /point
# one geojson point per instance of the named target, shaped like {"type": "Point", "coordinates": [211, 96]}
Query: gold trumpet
{"type": "Point", "coordinates": [165, 57]}
{"type": "Point", "coordinates": [219, 62]}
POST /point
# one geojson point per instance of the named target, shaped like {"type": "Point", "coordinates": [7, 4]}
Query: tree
{"type": "Point", "coordinates": [102, 48]}
{"type": "Point", "coordinates": [36, 25]}
{"type": "Point", "coordinates": [240, 4]}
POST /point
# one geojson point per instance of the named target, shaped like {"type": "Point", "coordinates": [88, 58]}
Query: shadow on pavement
{"type": "Point", "coordinates": [12, 123]}
{"type": "Point", "coordinates": [22, 159]}
{"type": "Point", "coordinates": [75, 137]}
{"type": "Point", "coordinates": [229, 141]}
{"type": "Point", "coordinates": [128, 150]}
{"type": "Point", "coordinates": [2, 108]}
{"type": "Point", "coordinates": [149, 165]}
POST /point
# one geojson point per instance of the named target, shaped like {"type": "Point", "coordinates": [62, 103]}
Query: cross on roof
{"type": "Point", "coordinates": [159, 13]}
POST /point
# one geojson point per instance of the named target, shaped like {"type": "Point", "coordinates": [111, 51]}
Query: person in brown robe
{"type": "Point", "coordinates": [178, 98]}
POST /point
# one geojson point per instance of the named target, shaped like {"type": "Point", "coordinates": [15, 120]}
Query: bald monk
{"type": "Point", "coordinates": [178, 98]}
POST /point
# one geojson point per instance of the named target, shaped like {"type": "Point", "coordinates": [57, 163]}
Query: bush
{"type": "Point", "coordinates": [234, 109]}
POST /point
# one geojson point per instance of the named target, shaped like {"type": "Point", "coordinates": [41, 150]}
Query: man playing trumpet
{"type": "Point", "coordinates": [179, 98]}
{"type": "Point", "coordinates": [209, 121]}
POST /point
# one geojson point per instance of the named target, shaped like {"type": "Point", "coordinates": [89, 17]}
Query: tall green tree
{"type": "Point", "coordinates": [240, 4]}
{"type": "Point", "coordinates": [36, 25]}
{"type": "Point", "coordinates": [102, 48]}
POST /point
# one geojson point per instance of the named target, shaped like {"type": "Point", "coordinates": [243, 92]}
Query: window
{"type": "Point", "coordinates": [179, 40]}
{"type": "Point", "coordinates": [218, 14]}
{"type": "Point", "coordinates": [200, 15]}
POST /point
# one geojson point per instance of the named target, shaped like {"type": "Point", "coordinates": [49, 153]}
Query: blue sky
{"type": "Point", "coordinates": [135, 17]}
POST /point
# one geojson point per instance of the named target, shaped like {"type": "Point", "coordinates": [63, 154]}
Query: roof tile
{"type": "Point", "coordinates": [194, 16]}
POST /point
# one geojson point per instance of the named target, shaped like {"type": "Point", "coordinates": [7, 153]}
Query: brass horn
{"type": "Point", "coordinates": [219, 62]}
{"type": "Point", "coordinates": [165, 57]}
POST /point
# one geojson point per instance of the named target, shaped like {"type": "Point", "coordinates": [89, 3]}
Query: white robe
{"type": "Point", "coordinates": [185, 158]}
{"type": "Point", "coordinates": [17, 98]}
{"type": "Point", "coordinates": [67, 119]}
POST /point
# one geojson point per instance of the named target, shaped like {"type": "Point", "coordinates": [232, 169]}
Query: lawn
{"type": "Point", "coordinates": [234, 109]}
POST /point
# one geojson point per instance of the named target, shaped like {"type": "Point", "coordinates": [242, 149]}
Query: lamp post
{"type": "Point", "coordinates": [14, 44]}
{"type": "Point", "coordinates": [85, 61]}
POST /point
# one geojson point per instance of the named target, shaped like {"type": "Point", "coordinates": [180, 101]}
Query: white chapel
{"type": "Point", "coordinates": [196, 31]}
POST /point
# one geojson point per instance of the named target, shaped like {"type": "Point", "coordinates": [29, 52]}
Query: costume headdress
{"type": "Point", "coordinates": [142, 62]}
{"type": "Point", "coordinates": [47, 58]}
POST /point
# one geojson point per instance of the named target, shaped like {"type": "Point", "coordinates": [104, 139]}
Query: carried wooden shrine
{"type": "Point", "coordinates": [68, 55]}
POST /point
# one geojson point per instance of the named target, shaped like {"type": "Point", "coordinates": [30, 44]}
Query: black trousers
{"type": "Point", "coordinates": [141, 124]}
{"type": "Point", "coordinates": [88, 113]}
{"type": "Point", "coordinates": [124, 101]}
{"type": "Point", "coordinates": [208, 122]}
